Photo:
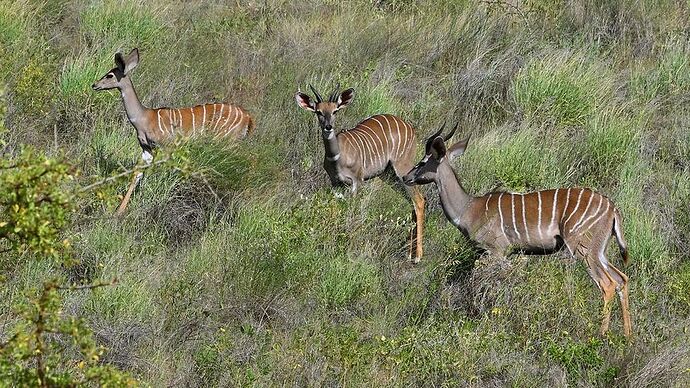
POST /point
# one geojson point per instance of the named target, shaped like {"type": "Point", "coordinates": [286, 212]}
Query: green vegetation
{"type": "Point", "coordinates": [239, 267]}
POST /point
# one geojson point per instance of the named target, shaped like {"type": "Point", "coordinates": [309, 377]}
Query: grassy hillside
{"type": "Point", "coordinates": [256, 275]}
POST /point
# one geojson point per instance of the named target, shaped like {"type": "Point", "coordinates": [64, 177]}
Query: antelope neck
{"type": "Point", "coordinates": [454, 199]}
{"type": "Point", "coordinates": [330, 142]}
{"type": "Point", "coordinates": [136, 112]}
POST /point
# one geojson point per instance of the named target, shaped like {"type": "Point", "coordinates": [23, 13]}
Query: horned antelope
{"type": "Point", "coordinates": [538, 222]}
{"type": "Point", "coordinates": [160, 125]}
{"type": "Point", "coordinates": [373, 146]}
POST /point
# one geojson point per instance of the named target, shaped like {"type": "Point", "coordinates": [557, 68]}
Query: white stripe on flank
{"type": "Point", "coordinates": [385, 136]}
{"type": "Point", "coordinates": [357, 156]}
{"type": "Point", "coordinates": [355, 142]}
{"type": "Point", "coordinates": [512, 208]}
{"type": "Point", "coordinates": [553, 210]}
{"type": "Point", "coordinates": [601, 199]}
{"type": "Point", "coordinates": [524, 218]}
{"type": "Point", "coordinates": [567, 202]}
{"type": "Point", "coordinates": [203, 120]}
{"type": "Point", "coordinates": [370, 147]}
{"type": "Point", "coordinates": [170, 120]}
{"type": "Point", "coordinates": [407, 136]}
{"type": "Point", "coordinates": [378, 137]}
{"type": "Point", "coordinates": [541, 235]}
{"type": "Point", "coordinates": [486, 206]}
{"type": "Point", "coordinates": [373, 136]}
{"type": "Point", "coordinates": [608, 203]}
{"type": "Point", "coordinates": [397, 145]}
{"type": "Point", "coordinates": [238, 119]}
{"type": "Point", "coordinates": [181, 122]}
{"type": "Point", "coordinates": [500, 215]}
{"type": "Point", "coordinates": [213, 117]}
{"type": "Point", "coordinates": [230, 109]}
{"type": "Point", "coordinates": [191, 113]}
{"type": "Point", "coordinates": [158, 113]}
{"type": "Point", "coordinates": [360, 142]}
{"type": "Point", "coordinates": [372, 142]}
{"type": "Point", "coordinates": [220, 117]}
{"type": "Point", "coordinates": [577, 205]}
{"type": "Point", "coordinates": [589, 203]}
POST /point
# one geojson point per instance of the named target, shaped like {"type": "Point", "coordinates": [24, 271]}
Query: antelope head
{"type": "Point", "coordinates": [113, 78]}
{"type": "Point", "coordinates": [325, 110]}
{"type": "Point", "coordinates": [436, 154]}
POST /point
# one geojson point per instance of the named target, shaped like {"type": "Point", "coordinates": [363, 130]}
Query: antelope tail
{"type": "Point", "coordinates": [618, 232]}
{"type": "Point", "coordinates": [250, 126]}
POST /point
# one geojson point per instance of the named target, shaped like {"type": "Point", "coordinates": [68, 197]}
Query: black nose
{"type": "Point", "coordinates": [408, 180]}
{"type": "Point", "coordinates": [329, 127]}
{"type": "Point", "coordinates": [94, 87]}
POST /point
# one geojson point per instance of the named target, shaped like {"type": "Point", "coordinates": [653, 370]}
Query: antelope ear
{"type": "Point", "coordinates": [305, 102]}
{"type": "Point", "coordinates": [346, 97]}
{"type": "Point", "coordinates": [119, 62]}
{"type": "Point", "coordinates": [458, 148]}
{"type": "Point", "coordinates": [131, 61]}
{"type": "Point", "coordinates": [438, 148]}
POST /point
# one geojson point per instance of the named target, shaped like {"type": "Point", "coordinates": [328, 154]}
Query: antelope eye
{"type": "Point", "coordinates": [109, 75]}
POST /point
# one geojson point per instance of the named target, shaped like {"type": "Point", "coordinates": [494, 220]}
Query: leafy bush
{"type": "Point", "coordinates": [579, 357]}
{"type": "Point", "coordinates": [36, 203]}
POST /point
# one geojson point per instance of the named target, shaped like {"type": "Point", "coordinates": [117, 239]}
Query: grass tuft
{"type": "Point", "coordinates": [561, 88]}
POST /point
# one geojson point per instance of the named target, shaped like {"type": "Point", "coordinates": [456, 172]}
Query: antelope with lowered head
{"type": "Point", "coordinates": [161, 125]}
{"type": "Point", "coordinates": [374, 145]}
{"type": "Point", "coordinates": [541, 222]}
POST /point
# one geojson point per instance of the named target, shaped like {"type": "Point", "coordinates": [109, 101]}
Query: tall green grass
{"type": "Point", "coordinates": [134, 23]}
{"type": "Point", "coordinates": [561, 88]}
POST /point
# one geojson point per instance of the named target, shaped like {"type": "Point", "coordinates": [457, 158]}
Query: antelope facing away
{"type": "Point", "coordinates": [540, 222]}
{"type": "Point", "coordinates": [374, 145]}
{"type": "Point", "coordinates": [160, 125]}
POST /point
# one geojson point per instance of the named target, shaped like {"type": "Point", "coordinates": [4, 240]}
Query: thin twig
{"type": "Point", "coordinates": [122, 174]}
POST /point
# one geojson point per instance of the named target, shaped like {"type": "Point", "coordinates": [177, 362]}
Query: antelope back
{"type": "Point", "coordinates": [218, 120]}
{"type": "Point", "coordinates": [378, 140]}
{"type": "Point", "coordinates": [532, 219]}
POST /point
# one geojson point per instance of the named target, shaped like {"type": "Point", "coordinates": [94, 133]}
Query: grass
{"type": "Point", "coordinates": [561, 88]}
{"type": "Point", "coordinates": [244, 269]}
{"type": "Point", "coordinates": [109, 23]}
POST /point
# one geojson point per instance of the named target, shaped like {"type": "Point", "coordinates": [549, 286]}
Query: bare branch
{"type": "Point", "coordinates": [122, 174]}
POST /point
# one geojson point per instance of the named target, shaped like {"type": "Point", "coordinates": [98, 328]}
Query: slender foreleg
{"type": "Point", "coordinates": [622, 291]}
{"type": "Point", "coordinates": [418, 206]}
{"type": "Point", "coordinates": [148, 159]}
